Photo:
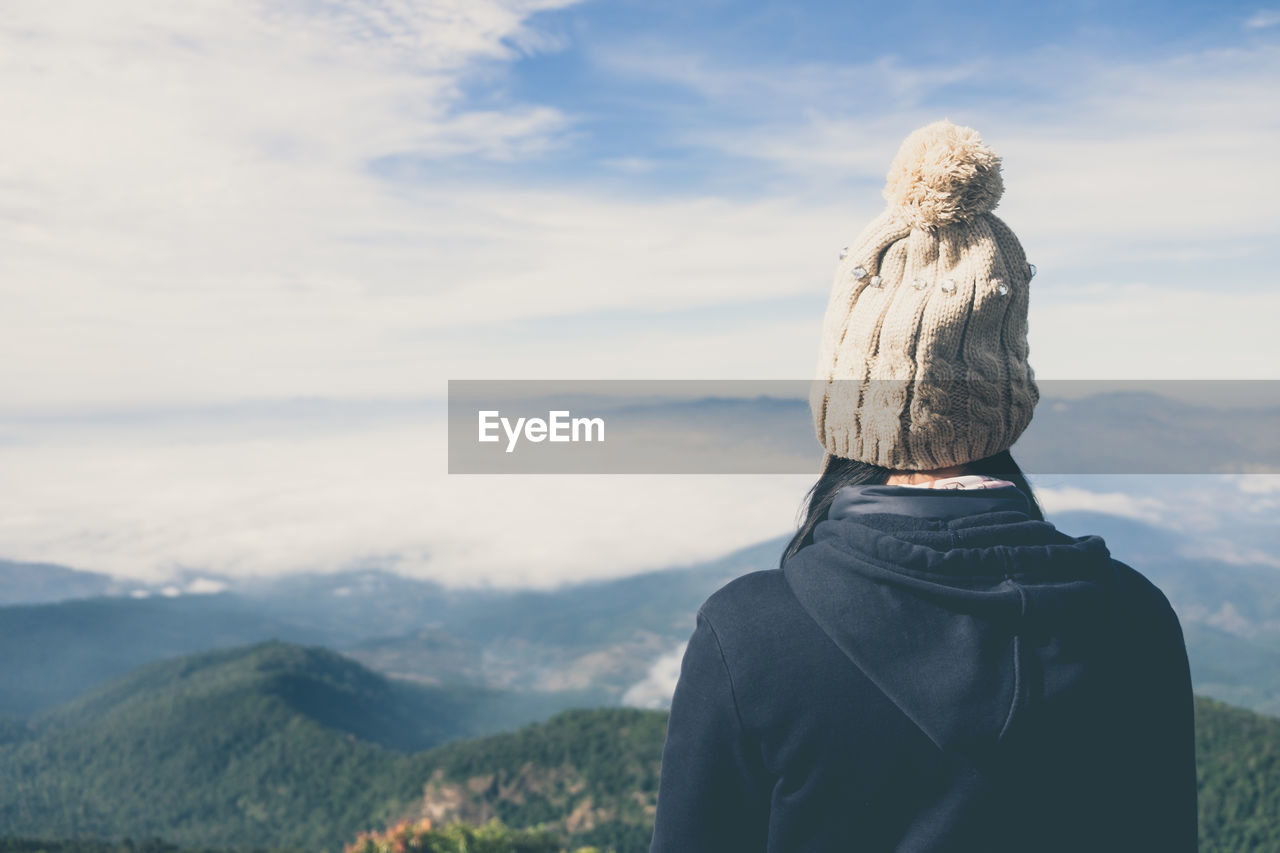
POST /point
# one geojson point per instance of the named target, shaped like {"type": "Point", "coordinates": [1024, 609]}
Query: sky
{"type": "Point", "coordinates": [244, 245]}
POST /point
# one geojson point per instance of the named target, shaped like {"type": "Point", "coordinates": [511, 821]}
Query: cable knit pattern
{"type": "Point", "coordinates": [923, 362]}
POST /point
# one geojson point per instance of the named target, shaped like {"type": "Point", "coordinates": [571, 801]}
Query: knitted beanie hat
{"type": "Point", "coordinates": [923, 362]}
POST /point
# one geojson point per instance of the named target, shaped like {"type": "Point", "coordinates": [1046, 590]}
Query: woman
{"type": "Point", "coordinates": [933, 667]}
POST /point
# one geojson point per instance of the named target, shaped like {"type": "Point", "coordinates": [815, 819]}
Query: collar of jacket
{"type": "Point", "coordinates": [926, 503]}
{"type": "Point", "coordinates": [952, 532]}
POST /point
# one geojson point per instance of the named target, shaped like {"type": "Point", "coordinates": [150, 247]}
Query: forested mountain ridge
{"type": "Point", "coordinates": [591, 776]}
{"type": "Point", "coordinates": [267, 744]}
{"type": "Point", "coordinates": [278, 746]}
{"type": "Point", "coordinates": [1238, 766]}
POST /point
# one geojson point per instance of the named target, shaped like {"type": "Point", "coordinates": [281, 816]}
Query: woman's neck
{"type": "Point", "coordinates": [911, 478]}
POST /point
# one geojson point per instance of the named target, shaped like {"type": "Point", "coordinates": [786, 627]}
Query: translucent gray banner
{"type": "Point", "coordinates": [765, 426]}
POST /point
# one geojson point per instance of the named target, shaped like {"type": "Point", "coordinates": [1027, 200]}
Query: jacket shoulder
{"type": "Point", "coordinates": [744, 596]}
{"type": "Point", "coordinates": [757, 616]}
{"type": "Point", "coordinates": [1145, 602]}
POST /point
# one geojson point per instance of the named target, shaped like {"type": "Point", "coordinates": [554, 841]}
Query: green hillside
{"type": "Point", "coordinates": [1238, 759]}
{"type": "Point", "coordinates": [267, 745]}
{"type": "Point", "coordinates": [590, 775]}
{"type": "Point", "coordinates": [277, 746]}
{"type": "Point", "coordinates": [52, 653]}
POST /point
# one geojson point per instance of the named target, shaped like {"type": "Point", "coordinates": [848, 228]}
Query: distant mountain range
{"type": "Point", "coordinates": [40, 583]}
{"type": "Point", "coordinates": [280, 746]}
{"type": "Point", "coordinates": [598, 639]}
{"type": "Point", "coordinates": [594, 638]}
{"type": "Point", "coordinates": [51, 653]}
{"type": "Point", "coordinates": [1148, 430]}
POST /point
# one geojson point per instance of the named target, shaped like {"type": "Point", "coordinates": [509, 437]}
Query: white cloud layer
{"type": "Point", "coordinates": [1072, 499]}
{"type": "Point", "coordinates": [657, 687]}
{"type": "Point", "coordinates": [146, 505]}
{"type": "Point", "coordinates": [186, 501]}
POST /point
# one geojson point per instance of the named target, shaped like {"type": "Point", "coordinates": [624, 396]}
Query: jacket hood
{"type": "Point", "coordinates": [967, 613]}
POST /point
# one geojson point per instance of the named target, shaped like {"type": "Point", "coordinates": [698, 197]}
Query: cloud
{"type": "Point", "coordinates": [1071, 499]}
{"type": "Point", "coordinates": [1151, 162]}
{"type": "Point", "coordinates": [657, 687]}
{"type": "Point", "coordinates": [240, 500]}
{"type": "Point", "coordinates": [763, 88]}
{"type": "Point", "coordinates": [205, 586]}
{"type": "Point", "coordinates": [433, 297]}
{"type": "Point", "coordinates": [1262, 19]}
{"type": "Point", "coordinates": [187, 175]}
{"type": "Point", "coordinates": [1227, 551]}
{"type": "Point", "coordinates": [191, 500]}
{"type": "Point", "coordinates": [1145, 329]}
{"type": "Point", "coordinates": [1257, 484]}
{"type": "Point", "coordinates": [193, 211]}
{"type": "Point", "coordinates": [209, 202]}
{"type": "Point", "coordinates": [1127, 157]}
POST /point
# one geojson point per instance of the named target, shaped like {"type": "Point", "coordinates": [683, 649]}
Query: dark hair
{"type": "Point", "coordinates": [838, 473]}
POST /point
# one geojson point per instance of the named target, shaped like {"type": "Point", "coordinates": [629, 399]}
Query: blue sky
{"type": "Point", "coordinates": [641, 79]}
{"type": "Point", "coordinates": [223, 206]}
{"type": "Point", "coordinates": [744, 101]}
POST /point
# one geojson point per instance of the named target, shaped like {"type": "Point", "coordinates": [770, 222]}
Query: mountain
{"type": "Point", "coordinates": [41, 583]}
{"type": "Point", "coordinates": [594, 637]}
{"type": "Point", "coordinates": [428, 656]}
{"type": "Point", "coordinates": [1233, 669]}
{"type": "Point", "coordinates": [589, 775]}
{"type": "Point", "coordinates": [604, 634]}
{"type": "Point", "coordinates": [351, 607]}
{"type": "Point", "coordinates": [602, 638]}
{"type": "Point", "coordinates": [601, 634]}
{"type": "Point", "coordinates": [51, 653]}
{"type": "Point", "coordinates": [286, 747]}
{"type": "Point", "coordinates": [271, 743]}
{"type": "Point", "coordinates": [1158, 428]}
{"type": "Point", "coordinates": [1238, 764]}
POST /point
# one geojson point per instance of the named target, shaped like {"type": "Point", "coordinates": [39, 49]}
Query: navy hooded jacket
{"type": "Point", "coordinates": [936, 672]}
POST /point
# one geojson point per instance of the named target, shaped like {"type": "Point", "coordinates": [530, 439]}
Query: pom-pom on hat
{"type": "Point", "coordinates": [923, 363]}
{"type": "Point", "coordinates": [943, 174]}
